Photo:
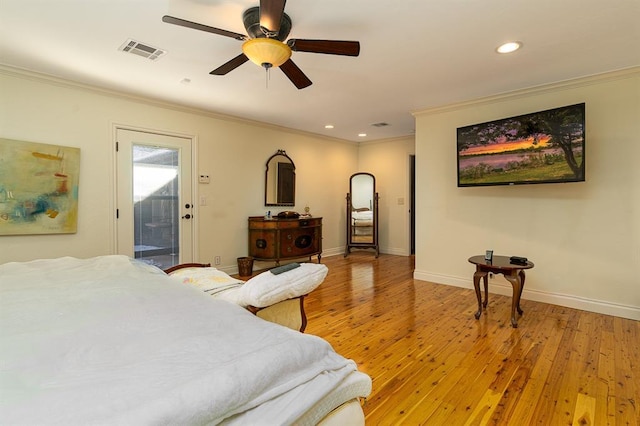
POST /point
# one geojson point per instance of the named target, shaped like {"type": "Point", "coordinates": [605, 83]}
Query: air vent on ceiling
{"type": "Point", "coordinates": [141, 49]}
{"type": "Point", "coordinates": [381, 124]}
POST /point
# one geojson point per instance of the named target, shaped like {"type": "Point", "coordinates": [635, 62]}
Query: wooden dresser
{"type": "Point", "coordinates": [278, 239]}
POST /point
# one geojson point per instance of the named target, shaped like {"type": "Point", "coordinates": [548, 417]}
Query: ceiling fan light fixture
{"type": "Point", "coordinates": [266, 52]}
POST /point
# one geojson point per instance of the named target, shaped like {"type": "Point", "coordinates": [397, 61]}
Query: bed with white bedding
{"type": "Point", "coordinates": [109, 340]}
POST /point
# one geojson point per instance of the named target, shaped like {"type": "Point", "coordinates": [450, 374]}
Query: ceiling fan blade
{"type": "Point", "coordinates": [271, 12]}
{"type": "Point", "coordinates": [295, 74]}
{"type": "Point", "coordinates": [230, 65]}
{"type": "Point", "coordinates": [330, 47]}
{"type": "Point", "coordinates": [194, 25]}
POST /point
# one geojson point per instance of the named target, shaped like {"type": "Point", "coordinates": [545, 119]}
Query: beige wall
{"type": "Point", "coordinates": [233, 153]}
{"type": "Point", "coordinates": [388, 161]}
{"type": "Point", "coordinates": [584, 238]}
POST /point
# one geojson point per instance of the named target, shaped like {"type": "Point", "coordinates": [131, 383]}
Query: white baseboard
{"type": "Point", "coordinates": [333, 252]}
{"type": "Point", "coordinates": [576, 302]}
{"type": "Point", "coordinates": [383, 250]}
{"type": "Point", "coordinates": [394, 250]}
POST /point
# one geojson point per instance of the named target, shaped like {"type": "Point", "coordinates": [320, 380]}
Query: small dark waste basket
{"type": "Point", "coordinates": [245, 266]}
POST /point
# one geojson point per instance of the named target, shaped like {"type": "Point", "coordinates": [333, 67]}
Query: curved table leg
{"type": "Point", "coordinates": [486, 290]}
{"type": "Point", "coordinates": [522, 277]}
{"type": "Point", "coordinates": [476, 285]}
{"type": "Point", "coordinates": [516, 283]}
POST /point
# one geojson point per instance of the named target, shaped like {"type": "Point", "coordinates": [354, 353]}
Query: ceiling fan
{"type": "Point", "coordinates": [268, 27]}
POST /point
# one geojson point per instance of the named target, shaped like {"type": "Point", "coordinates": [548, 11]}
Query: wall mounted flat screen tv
{"type": "Point", "coordinates": [541, 147]}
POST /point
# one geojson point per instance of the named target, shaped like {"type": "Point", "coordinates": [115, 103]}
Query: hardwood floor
{"type": "Point", "coordinates": [432, 363]}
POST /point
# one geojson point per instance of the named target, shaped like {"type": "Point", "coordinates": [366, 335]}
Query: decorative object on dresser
{"type": "Point", "coordinates": [362, 213]}
{"type": "Point", "coordinates": [277, 239]}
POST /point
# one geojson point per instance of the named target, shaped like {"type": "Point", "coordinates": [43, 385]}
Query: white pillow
{"type": "Point", "coordinates": [212, 281]}
{"type": "Point", "coordinates": [266, 289]}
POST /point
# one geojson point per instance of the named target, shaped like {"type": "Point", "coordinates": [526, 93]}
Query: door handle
{"type": "Point", "coordinates": [187, 216]}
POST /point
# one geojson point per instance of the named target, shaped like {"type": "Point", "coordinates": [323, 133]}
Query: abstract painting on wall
{"type": "Point", "coordinates": [38, 188]}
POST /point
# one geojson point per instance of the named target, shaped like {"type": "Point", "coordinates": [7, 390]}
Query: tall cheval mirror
{"type": "Point", "coordinates": [362, 213]}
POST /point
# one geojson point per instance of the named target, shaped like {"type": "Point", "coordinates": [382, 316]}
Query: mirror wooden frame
{"type": "Point", "coordinates": [280, 180]}
{"type": "Point", "coordinates": [362, 214]}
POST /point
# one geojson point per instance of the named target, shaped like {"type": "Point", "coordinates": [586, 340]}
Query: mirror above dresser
{"type": "Point", "coordinates": [280, 180]}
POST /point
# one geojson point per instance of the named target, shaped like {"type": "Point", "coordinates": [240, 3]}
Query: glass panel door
{"type": "Point", "coordinates": [155, 205]}
{"type": "Point", "coordinates": [155, 213]}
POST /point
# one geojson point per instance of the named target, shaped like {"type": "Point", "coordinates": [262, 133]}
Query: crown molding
{"type": "Point", "coordinates": [535, 90]}
{"type": "Point", "coordinates": [57, 81]}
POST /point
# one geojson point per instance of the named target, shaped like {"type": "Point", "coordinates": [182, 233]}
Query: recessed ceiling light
{"type": "Point", "coordinates": [329, 126]}
{"type": "Point", "coordinates": [509, 47]}
{"type": "Point", "coordinates": [362, 135]}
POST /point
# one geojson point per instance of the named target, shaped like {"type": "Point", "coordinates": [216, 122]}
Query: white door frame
{"type": "Point", "coordinates": [194, 187]}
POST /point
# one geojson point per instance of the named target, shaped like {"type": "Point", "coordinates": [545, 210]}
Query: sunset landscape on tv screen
{"type": "Point", "coordinates": [541, 147]}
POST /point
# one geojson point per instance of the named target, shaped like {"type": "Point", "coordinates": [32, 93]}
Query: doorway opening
{"type": "Point", "coordinates": [412, 202]}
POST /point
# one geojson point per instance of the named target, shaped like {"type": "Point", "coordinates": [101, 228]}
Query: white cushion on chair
{"type": "Point", "coordinates": [267, 289]}
{"type": "Point", "coordinates": [212, 281]}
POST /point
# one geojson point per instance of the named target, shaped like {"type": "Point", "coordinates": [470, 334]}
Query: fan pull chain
{"type": "Point", "coordinates": [267, 66]}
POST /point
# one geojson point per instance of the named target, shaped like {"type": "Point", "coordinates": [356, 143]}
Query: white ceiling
{"type": "Point", "coordinates": [415, 54]}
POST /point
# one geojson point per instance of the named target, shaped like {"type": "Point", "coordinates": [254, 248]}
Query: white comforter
{"type": "Point", "coordinates": [110, 341]}
{"type": "Point", "coordinates": [362, 215]}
